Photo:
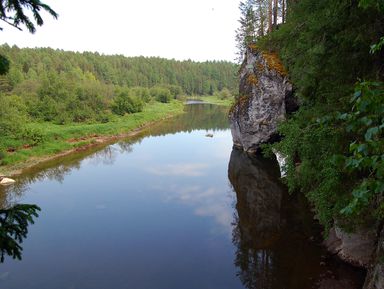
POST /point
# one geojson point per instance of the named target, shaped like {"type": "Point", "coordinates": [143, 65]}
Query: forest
{"type": "Point", "coordinates": [334, 142]}
{"type": "Point", "coordinates": [58, 87]}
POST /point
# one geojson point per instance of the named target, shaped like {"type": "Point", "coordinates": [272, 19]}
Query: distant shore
{"type": "Point", "coordinates": [69, 139]}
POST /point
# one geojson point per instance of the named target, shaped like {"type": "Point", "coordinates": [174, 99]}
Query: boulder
{"type": "Point", "coordinates": [355, 248]}
{"type": "Point", "coordinates": [6, 181]}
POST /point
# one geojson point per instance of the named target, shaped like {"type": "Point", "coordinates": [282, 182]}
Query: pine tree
{"type": "Point", "coordinates": [249, 28]}
{"type": "Point", "coordinates": [12, 12]}
{"type": "Point", "coordinates": [270, 16]}
{"type": "Point", "coordinates": [275, 8]}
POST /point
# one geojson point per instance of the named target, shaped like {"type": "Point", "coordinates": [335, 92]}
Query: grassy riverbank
{"type": "Point", "coordinates": [64, 139]}
{"type": "Point", "coordinates": [214, 99]}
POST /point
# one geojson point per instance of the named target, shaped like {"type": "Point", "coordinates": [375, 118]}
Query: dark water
{"type": "Point", "coordinates": [170, 208]}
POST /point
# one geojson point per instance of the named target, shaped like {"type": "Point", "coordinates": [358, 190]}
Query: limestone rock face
{"type": "Point", "coordinates": [265, 98]}
{"type": "Point", "coordinates": [355, 248]}
{"type": "Point", "coordinates": [375, 276]}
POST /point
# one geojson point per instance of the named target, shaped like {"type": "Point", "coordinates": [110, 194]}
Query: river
{"type": "Point", "coordinates": [172, 208]}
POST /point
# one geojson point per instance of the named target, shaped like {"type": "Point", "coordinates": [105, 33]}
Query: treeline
{"type": "Point", "coordinates": [258, 18]}
{"type": "Point", "coordinates": [61, 86]}
{"type": "Point", "coordinates": [335, 142]}
{"type": "Point", "coordinates": [193, 77]}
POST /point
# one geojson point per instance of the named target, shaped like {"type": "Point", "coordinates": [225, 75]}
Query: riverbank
{"type": "Point", "coordinates": [61, 140]}
{"type": "Point", "coordinates": [213, 99]}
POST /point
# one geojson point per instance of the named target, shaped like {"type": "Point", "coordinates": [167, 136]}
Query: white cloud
{"type": "Point", "coordinates": [188, 170]}
{"type": "Point", "coordinates": [207, 202]}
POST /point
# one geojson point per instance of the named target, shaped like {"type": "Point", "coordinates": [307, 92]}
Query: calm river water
{"type": "Point", "coordinates": [170, 208]}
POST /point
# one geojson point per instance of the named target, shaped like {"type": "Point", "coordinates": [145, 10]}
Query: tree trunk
{"type": "Point", "coordinates": [275, 8]}
{"type": "Point", "coordinates": [269, 16]}
{"type": "Point", "coordinates": [261, 15]}
{"type": "Point", "coordinates": [283, 12]}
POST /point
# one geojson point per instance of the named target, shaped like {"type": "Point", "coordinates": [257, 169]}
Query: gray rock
{"type": "Point", "coordinates": [375, 276]}
{"type": "Point", "coordinates": [265, 93]}
{"type": "Point", "coordinates": [355, 248]}
{"type": "Point", "coordinates": [6, 181]}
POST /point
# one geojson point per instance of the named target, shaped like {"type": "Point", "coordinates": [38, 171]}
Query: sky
{"type": "Point", "coordinates": [199, 30]}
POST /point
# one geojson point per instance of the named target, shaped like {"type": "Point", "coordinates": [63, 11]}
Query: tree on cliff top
{"type": "Point", "coordinates": [257, 18]}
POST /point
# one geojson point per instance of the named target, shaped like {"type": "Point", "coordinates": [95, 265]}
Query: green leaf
{"type": "Point", "coordinates": [371, 132]}
{"type": "Point", "coordinates": [366, 121]}
{"type": "Point", "coordinates": [363, 148]}
{"type": "Point", "coordinates": [356, 95]}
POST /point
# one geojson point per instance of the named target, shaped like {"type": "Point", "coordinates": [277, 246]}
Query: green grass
{"type": "Point", "coordinates": [56, 136]}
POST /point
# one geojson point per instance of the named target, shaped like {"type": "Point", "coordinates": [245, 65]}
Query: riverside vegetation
{"type": "Point", "coordinates": [52, 101]}
{"type": "Point", "coordinates": [334, 142]}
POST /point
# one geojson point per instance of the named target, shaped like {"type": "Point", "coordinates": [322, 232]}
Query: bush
{"type": "Point", "coordinates": [225, 94]}
{"type": "Point", "coordinates": [13, 115]}
{"type": "Point", "coordinates": [124, 103]}
{"type": "Point", "coordinates": [163, 95]}
{"type": "Point", "coordinates": [142, 93]}
{"type": "Point", "coordinates": [46, 109]}
{"type": "Point", "coordinates": [33, 136]}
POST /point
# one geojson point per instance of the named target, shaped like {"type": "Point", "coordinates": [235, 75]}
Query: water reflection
{"type": "Point", "coordinates": [14, 224]}
{"type": "Point", "coordinates": [207, 201]}
{"type": "Point", "coordinates": [270, 232]}
{"type": "Point", "coordinates": [207, 117]}
{"type": "Point", "coordinates": [197, 116]}
{"type": "Point", "coordinates": [158, 215]}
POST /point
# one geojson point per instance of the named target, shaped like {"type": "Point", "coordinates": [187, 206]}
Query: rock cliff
{"type": "Point", "coordinates": [265, 98]}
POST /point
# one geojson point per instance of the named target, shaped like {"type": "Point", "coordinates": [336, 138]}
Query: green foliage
{"type": "Point", "coordinates": [125, 103]}
{"type": "Point", "coordinates": [55, 136]}
{"type": "Point", "coordinates": [12, 12]}
{"type": "Point", "coordinates": [63, 67]}
{"type": "Point", "coordinates": [225, 94]}
{"type": "Point", "coordinates": [14, 224]}
{"type": "Point", "coordinates": [4, 65]}
{"type": "Point", "coordinates": [309, 148]}
{"type": "Point", "coordinates": [33, 136]}
{"type": "Point", "coordinates": [247, 32]}
{"type": "Point", "coordinates": [161, 94]}
{"type": "Point", "coordinates": [334, 146]}
{"type": "Point", "coordinates": [13, 115]}
{"type": "Point", "coordinates": [365, 160]}
{"type": "Point", "coordinates": [65, 87]}
{"type": "Point", "coordinates": [377, 46]}
{"type": "Point", "coordinates": [378, 4]}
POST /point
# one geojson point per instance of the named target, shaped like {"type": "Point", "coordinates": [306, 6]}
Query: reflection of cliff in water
{"type": "Point", "coordinates": [270, 232]}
